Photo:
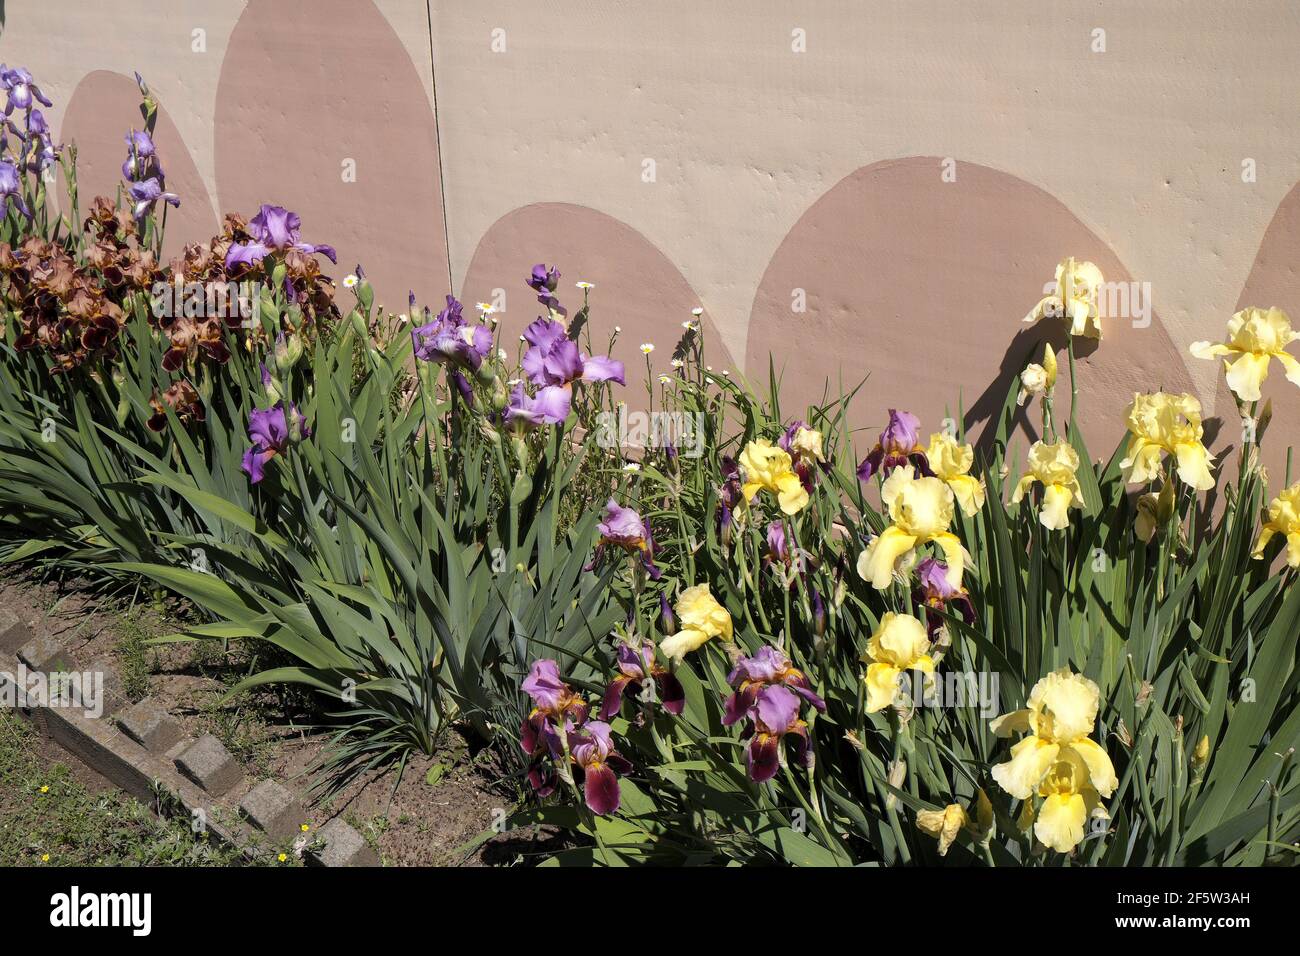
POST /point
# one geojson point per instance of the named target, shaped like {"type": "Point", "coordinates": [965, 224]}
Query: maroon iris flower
{"type": "Point", "coordinates": [900, 444]}
{"type": "Point", "coordinates": [769, 695]}
{"type": "Point", "coordinates": [637, 668]}
{"type": "Point", "coordinates": [768, 667]}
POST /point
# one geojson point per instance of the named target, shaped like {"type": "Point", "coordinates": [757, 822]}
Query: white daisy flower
{"type": "Point", "coordinates": [349, 281]}
{"type": "Point", "coordinates": [647, 347]}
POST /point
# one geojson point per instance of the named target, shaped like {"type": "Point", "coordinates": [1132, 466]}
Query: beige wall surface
{"type": "Point", "coordinates": [909, 169]}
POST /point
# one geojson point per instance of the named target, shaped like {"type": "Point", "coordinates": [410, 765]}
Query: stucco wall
{"type": "Point", "coordinates": [915, 167]}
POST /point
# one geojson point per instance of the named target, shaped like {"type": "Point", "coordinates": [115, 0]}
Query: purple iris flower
{"type": "Point", "coordinates": [549, 407]}
{"type": "Point", "coordinates": [625, 528]}
{"type": "Point", "coordinates": [637, 666]}
{"type": "Point", "coordinates": [22, 89]}
{"type": "Point", "coordinates": [776, 546]}
{"type": "Point", "coordinates": [899, 445]}
{"type": "Point", "coordinates": [274, 229]}
{"type": "Point", "coordinates": [935, 594]}
{"type": "Point", "coordinates": [445, 342]}
{"type": "Point", "coordinates": [544, 686]}
{"type": "Point", "coordinates": [10, 188]}
{"type": "Point", "coordinates": [774, 716]}
{"type": "Point", "coordinates": [271, 431]}
{"type": "Point", "coordinates": [730, 496]}
{"type": "Point", "coordinates": [543, 281]}
{"type": "Point", "coordinates": [553, 359]}
{"type": "Point", "coordinates": [141, 157]}
{"type": "Point", "coordinates": [146, 194]}
{"type": "Point", "coordinates": [769, 667]}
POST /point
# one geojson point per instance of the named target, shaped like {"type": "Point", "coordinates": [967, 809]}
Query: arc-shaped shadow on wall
{"type": "Point", "coordinates": [103, 107]}
{"type": "Point", "coordinates": [353, 151]}
{"type": "Point", "coordinates": [924, 282]}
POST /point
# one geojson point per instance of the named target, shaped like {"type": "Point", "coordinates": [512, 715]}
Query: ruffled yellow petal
{"type": "Point", "coordinates": [954, 555]}
{"type": "Point", "coordinates": [1293, 549]}
{"type": "Point", "coordinates": [1194, 465]}
{"type": "Point", "coordinates": [677, 646]}
{"type": "Point", "coordinates": [1041, 309]}
{"type": "Point", "coordinates": [944, 824]}
{"type": "Point", "coordinates": [1142, 463]}
{"type": "Point", "coordinates": [1209, 350]}
{"type": "Point", "coordinates": [791, 494]}
{"type": "Point", "coordinates": [1055, 513]}
{"type": "Point", "coordinates": [1290, 365]}
{"type": "Point", "coordinates": [969, 493]}
{"type": "Point", "coordinates": [1060, 822]}
{"type": "Point", "coordinates": [1016, 722]}
{"type": "Point", "coordinates": [1029, 763]}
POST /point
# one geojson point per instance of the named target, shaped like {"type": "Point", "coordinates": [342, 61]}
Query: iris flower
{"type": "Point", "coordinates": [637, 668]}
{"type": "Point", "coordinates": [767, 668]}
{"type": "Point", "coordinates": [899, 444]}
{"type": "Point", "coordinates": [147, 193]}
{"type": "Point", "coordinates": [274, 229]}
{"type": "Point", "coordinates": [951, 462]}
{"type": "Point", "coordinates": [550, 406]}
{"type": "Point", "coordinates": [1075, 298]}
{"type": "Point", "coordinates": [272, 431]}
{"type": "Point", "coordinates": [948, 823]}
{"type": "Point", "coordinates": [1162, 422]}
{"type": "Point", "coordinates": [1055, 468]}
{"type": "Point", "coordinates": [1057, 760]}
{"type": "Point", "coordinates": [773, 718]}
{"type": "Point", "coordinates": [1283, 517]}
{"type": "Point", "coordinates": [593, 751]}
{"type": "Point", "coordinates": [920, 509]}
{"type": "Point", "coordinates": [765, 467]}
{"type": "Point", "coordinates": [1254, 337]}
{"type": "Point", "coordinates": [624, 528]}
{"type": "Point", "coordinates": [10, 188]}
{"type": "Point", "coordinates": [701, 618]}
{"type": "Point", "coordinates": [22, 89]}
{"type": "Point", "coordinates": [543, 281]}
{"type": "Point", "coordinates": [553, 358]}
{"type": "Point", "coordinates": [451, 341]}
{"type": "Point", "coordinates": [900, 643]}
{"type": "Point", "coordinates": [804, 446]}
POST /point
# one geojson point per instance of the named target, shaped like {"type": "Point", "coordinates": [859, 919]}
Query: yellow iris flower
{"type": "Point", "coordinates": [1057, 761]}
{"type": "Point", "coordinates": [1075, 297]}
{"type": "Point", "coordinates": [808, 443]}
{"type": "Point", "coordinates": [951, 462]}
{"type": "Point", "coordinates": [900, 643]}
{"type": "Point", "coordinates": [702, 618]}
{"type": "Point", "coordinates": [1038, 379]}
{"type": "Point", "coordinates": [766, 467]}
{"type": "Point", "coordinates": [1162, 422]}
{"type": "Point", "coordinates": [1283, 518]}
{"type": "Point", "coordinates": [920, 509]}
{"type": "Point", "coordinates": [1254, 337]}
{"type": "Point", "coordinates": [1055, 467]}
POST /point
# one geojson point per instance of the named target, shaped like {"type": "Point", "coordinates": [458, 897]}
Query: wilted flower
{"type": "Point", "coordinates": [272, 431]}
{"type": "Point", "coordinates": [804, 445]}
{"type": "Point", "coordinates": [449, 340]}
{"type": "Point", "coordinates": [920, 509]}
{"type": "Point", "coordinates": [1153, 511]}
{"type": "Point", "coordinates": [900, 643]}
{"type": "Point", "coordinates": [947, 823]}
{"type": "Point", "coordinates": [769, 667]}
{"type": "Point", "coordinates": [637, 668]}
{"type": "Point", "coordinates": [951, 462]}
{"type": "Point", "coordinates": [1161, 422]}
{"type": "Point", "coordinates": [554, 359]}
{"type": "Point", "coordinates": [766, 467]}
{"type": "Point", "coordinates": [1075, 298]}
{"type": "Point", "coordinates": [274, 229]}
{"type": "Point", "coordinates": [1282, 517]}
{"type": "Point", "coordinates": [935, 594]}
{"type": "Point", "coordinates": [701, 618]}
{"type": "Point", "coordinates": [1254, 337]}
{"type": "Point", "coordinates": [899, 444]}
{"type": "Point", "coordinates": [543, 281]}
{"type": "Point", "coordinates": [1055, 467]}
{"type": "Point", "coordinates": [1057, 760]}
{"type": "Point", "coordinates": [1038, 379]}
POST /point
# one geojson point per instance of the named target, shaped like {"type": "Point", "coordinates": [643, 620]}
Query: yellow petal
{"type": "Point", "coordinates": [1060, 821]}
{"type": "Point", "coordinates": [1194, 465]}
{"type": "Point", "coordinates": [1100, 770]}
{"type": "Point", "coordinates": [1142, 464]}
{"type": "Point", "coordinates": [954, 555]}
{"type": "Point", "coordinates": [1029, 763]}
{"type": "Point", "coordinates": [882, 686]}
{"type": "Point", "coordinates": [678, 645]}
{"type": "Point", "coordinates": [1265, 535]}
{"type": "Point", "coordinates": [1022, 488]}
{"type": "Point", "coordinates": [945, 824]}
{"type": "Point", "coordinates": [876, 564]}
{"type": "Point", "coordinates": [1209, 350]}
{"type": "Point", "coordinates": [1056, 507]}
{"type": "Point", "coordinates": [1293, 549]}
{"type": "Point", "coordinates": [1040, 310]}
{"type": "Point", "coordinates": [1247, 374]}
{"type": "Point", "coordinates": [1290, 365]}
{"type": "Point", "coordinates": [791, 494]}
{"type": "Point", "coordinates": [969, 493]}
{"type": "Point", "coordinates": [1016, 722]}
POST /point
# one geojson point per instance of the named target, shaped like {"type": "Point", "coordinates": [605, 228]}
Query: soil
{"type": "Point", "coordinates": [414, 822]}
